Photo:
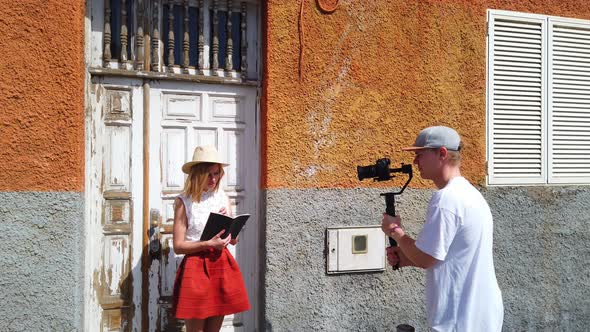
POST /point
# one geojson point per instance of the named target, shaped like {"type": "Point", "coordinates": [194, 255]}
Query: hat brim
{"type": "Point", "coordinates": [414, 148]}
{"type": "Point", "coordinates": [186, 168]}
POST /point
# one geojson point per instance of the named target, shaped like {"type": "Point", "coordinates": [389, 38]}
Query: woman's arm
{"type": "Point", "coordinates": [181, 245]}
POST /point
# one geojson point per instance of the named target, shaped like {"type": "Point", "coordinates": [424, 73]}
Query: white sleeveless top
{"type": "Point", "coordinates": [198, 213]}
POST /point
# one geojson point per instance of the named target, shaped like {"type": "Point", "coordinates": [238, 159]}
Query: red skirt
{"type": "Point", "coordinates": [208, 284]}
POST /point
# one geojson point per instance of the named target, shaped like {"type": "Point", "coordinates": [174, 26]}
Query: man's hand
{"type": "Point", "coordinates": [390, 224]}
{"type": "Point", "coordinates": [396, 257]}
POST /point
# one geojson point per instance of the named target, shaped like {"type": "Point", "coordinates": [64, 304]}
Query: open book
{"type": "Point", "coordinates": [218, 222]}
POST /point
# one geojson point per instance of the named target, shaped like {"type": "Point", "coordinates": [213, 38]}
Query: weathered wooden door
{"type": "Point", "coordinates": [139, 135]}
{"type": "Point", "coordinates": [182, 116]}
{"type": "Point", "coordinates": [114, 226]}
{"type": "Point", "coordinates": [164, 76]}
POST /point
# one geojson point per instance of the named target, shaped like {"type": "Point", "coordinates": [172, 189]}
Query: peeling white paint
{"type": "Point", "coordinates": [113, 253]}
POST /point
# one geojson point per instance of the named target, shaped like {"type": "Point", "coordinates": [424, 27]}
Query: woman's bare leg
{"type": "Point", "coordinates": [213, 324]}
{"type": "Point", "coordinates": [195, 325]}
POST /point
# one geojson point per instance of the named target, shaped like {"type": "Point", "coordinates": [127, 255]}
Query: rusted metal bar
{"type": "Point", "coordinates": [244, 43]}
{"type": "Point", "coordinates": [155, 38]}
{"type": "Point", "coordinates": [123, 58]}
{"type": "Point", "coordinates": [201, 61]}
{"type": "Point", "coordinates": [139, 37]}
{"type": "Point", "coordinates": [215, 44]}
{"type": "Point", "coordinates": [106, 52]}
{"type": "Point", "coordinates": [171, 36]}
{"type": "Point", "coordinates": [185, 40]}
{"type": "Point", "coordinates": [230, 43]}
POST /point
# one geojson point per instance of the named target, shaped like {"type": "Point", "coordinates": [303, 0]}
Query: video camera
{"type": "Point", "coordinates": [382, 172]}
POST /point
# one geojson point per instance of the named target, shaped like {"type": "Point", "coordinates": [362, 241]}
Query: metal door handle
{"type": "Point", "coordinates": [153, 233]}
{"type": "Point", "coordinates": [154, 229]}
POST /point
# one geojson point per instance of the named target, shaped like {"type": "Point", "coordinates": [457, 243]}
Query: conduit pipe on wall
{"type": "Point", "coordinates": [326, 6]}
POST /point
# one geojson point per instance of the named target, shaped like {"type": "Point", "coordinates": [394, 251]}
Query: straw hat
{"type": "Point", "coordinates": [203, 154]}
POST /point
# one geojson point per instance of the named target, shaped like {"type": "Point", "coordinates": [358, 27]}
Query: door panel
{"type": "Point", "coordinates": [182, 116]}
{"type": "Point", "coordinates": [114, 193]}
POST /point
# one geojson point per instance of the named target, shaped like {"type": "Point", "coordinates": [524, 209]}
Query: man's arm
{"type": "Point", "coordinates": [409, 249]}
{"type": "Point", "coordinates": [392, 227]}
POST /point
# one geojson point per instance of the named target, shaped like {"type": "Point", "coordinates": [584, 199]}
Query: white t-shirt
{"type": "Point", "coordinates": [462, 293]}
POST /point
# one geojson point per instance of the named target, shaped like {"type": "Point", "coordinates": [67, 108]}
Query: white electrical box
{"type": "Point", "coordinates": [355, 249]}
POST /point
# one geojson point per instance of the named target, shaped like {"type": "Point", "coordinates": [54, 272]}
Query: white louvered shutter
{"type": "Point", "coordinates": [569, 101]}
{"type": "Point", "coordinates": [516, 102]}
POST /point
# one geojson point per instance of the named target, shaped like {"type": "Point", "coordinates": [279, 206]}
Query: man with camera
{"type": "Point", "coordinates": [455, 244]}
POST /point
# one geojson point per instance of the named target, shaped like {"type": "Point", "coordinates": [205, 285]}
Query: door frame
{"type": "Point", "coordinates": [97, 70]}
{"type": "Point", "coordinates": [140, 214]}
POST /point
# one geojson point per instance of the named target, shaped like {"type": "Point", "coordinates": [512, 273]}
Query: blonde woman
{"type": "Point", "coordinates": [209, 284]}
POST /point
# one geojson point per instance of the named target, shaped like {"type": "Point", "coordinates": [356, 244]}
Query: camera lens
{"type": "Point", "coordinates": [379, 171]}
{"type": "Point", "coordinates": [365, 172]}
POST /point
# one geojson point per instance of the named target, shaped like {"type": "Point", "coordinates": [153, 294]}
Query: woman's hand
{"type": "Point", "coordinates": [219, 243]}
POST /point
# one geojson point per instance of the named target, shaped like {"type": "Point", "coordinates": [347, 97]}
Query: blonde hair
{"type": "Point", "coordinates": [196, 181]}
{"type": "Point", "coordinates": [455, 156]}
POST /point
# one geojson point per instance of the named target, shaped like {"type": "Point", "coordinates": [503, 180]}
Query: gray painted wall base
{"type": "Point", "coordinates": [42, 259]}
{"type": "Point", "coordinates": [541, 246]}
{"type": "Point", "coordinates": [542, 250]}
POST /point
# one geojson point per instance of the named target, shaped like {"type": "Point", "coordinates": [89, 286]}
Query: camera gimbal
{"type": "Point", "coordinates": [381, 172]}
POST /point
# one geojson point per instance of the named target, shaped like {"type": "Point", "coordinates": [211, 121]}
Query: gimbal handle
{"type": "Point", "coordinates": [390, 210]}
{"type": "Point", "coordinates": [390, 199]}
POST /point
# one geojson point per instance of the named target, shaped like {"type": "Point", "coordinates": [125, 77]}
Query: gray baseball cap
{"type": "Point", "coordinates": [436, 137]}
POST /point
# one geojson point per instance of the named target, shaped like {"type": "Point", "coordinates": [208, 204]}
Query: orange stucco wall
{"type": "Point", "coordinates": [373, 74]}
{"type": "Point", "coordinates": [42, 95]}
